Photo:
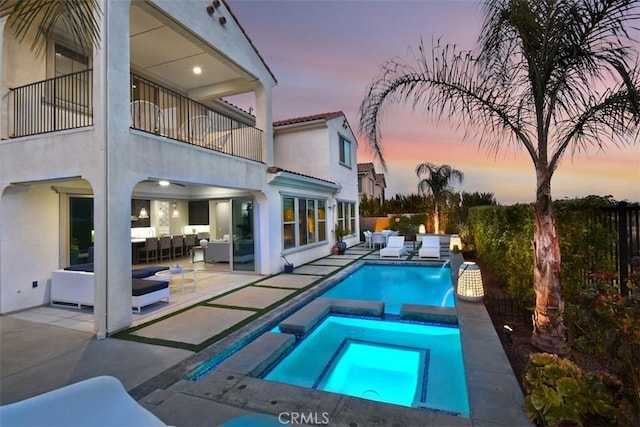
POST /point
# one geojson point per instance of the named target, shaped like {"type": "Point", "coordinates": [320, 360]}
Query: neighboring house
{"type": "Point", "coordinates": [370, 183]}
{"type": "Point", "coordinates": [89, 139]}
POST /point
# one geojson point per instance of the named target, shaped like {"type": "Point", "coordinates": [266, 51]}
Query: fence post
{"type": "Point", "coordinates": [623, 248]}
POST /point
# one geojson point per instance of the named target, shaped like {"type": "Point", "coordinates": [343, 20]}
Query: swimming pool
{"type": "Point", "coordinates": [408, 364]}
{"type": "Point", "coordinates": [396, 285]}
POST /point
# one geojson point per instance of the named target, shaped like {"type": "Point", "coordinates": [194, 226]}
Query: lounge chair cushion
{"type": "Point", "coordinates": [143, 287]}
{"type": "Point", "coordinates": [141, 273]}
{"type": "Point", "coordinates": [395, 247]}
{"type": "Point", "coordinates": [430, 247]}
{"type": "Point", "coordinates": [97, 402]}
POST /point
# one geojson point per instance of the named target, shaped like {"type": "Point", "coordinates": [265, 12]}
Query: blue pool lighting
{"type": "Point", "coordinates": [396, 285]}
{"type": "Point", "coordinates": [408, 364]}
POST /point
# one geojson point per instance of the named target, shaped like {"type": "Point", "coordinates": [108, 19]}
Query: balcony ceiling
{"type": "Point", "coordinates": [169, 54]}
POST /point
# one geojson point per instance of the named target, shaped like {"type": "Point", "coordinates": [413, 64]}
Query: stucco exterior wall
{"type": "Point", "coordinates": [28, 231]}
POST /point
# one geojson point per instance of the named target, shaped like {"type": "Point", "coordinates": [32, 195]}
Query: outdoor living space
{"type": "Point", "coordinates": [211, 280]}
{"type": "Point", "coordinates": [220, 324]}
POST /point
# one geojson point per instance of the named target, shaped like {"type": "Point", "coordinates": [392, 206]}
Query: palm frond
{"type": "Point", "coordinates": [541, 80]}
{"type": "Point", "coordinates": [451, 86]}
{"type": "Point", "coordinates": [78, 17]}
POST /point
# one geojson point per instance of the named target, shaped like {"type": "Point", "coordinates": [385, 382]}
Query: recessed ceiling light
{"type": "Point", "coordinates": [164, 183]}
{"type": "Point", "coordinates": [197, 70]}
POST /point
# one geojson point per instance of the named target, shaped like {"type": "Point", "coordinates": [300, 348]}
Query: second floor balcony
{"type": "Point", "coordinates": [66, 102]}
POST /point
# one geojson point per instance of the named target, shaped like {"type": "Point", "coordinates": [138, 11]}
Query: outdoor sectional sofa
{"type": "Point", "coordinates": [75, 285]}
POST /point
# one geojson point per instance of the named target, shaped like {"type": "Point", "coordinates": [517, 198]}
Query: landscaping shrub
{"type": "Point", "coordinates": [559, 393]}
{"type": "Point", "coordinates": [603, 323]}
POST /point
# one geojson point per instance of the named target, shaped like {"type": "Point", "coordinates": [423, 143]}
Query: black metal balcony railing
{"type": "Point", "coordinates": [66, 102]}
{"type": "Point", "coordinates": [156, 109]}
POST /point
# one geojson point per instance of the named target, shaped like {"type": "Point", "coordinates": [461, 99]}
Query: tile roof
{"type": "Point", "coordinates": [365, 167]}
{"type": "Point", "coordinates": [380, 179]}
{"type": "Point", "coordinates": [296, 120]}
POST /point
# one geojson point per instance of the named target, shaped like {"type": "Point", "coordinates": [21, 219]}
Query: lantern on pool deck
{"type": "Point", "coordinates": [470, 282]}
{"type": "Point", "coordinates": [455, 241]}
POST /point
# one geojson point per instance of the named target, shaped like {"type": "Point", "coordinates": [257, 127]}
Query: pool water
{"type": "Point", "coordinates": [396, 285]}
{"type": "Point", "coordinates": [408, 364]}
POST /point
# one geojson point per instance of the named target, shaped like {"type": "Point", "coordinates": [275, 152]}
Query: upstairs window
{"type": "Point", "coordinates": [67, 61]}
{"type": "Point", "coordinates": [345, 152]}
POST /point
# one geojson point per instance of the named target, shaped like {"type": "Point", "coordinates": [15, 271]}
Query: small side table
{"type": "Point", "coordinates": [197, 254]}
{"type": "Point", "coordinates": [181, 274]}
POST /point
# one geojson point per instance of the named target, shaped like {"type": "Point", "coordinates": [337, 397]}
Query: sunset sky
{"type": "Point", "coordinates": [324, 54]}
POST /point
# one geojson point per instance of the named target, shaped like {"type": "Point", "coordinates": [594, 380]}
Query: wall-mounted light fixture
{"type": "Point", "coordinates": [143, 213]}
{"type": "Point", "coordinates": [174, 212]}
{"type": "Point", "coordinates": [470, 282]}
{"type": "Point", "coordinates": [422, 229]}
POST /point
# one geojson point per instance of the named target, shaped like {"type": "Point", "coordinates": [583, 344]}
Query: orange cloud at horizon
{"type": "Point", "coordinates": [510, 175]}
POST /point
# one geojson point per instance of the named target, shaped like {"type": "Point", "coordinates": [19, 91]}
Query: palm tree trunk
{"type": "Point", "coordinates": [436, 218]}
{"type": "Point", "coordinates": [549, 332]}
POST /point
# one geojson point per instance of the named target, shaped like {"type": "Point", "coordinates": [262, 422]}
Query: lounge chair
{"type": "Point", "coordinates": [99, 401]}
{"type": "Point", "coordinates": [430, 247]}
{"type": "Point", "coordinates": [395, 247]}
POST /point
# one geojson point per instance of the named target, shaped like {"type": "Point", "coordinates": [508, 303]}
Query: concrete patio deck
{"type": "Point", "coordinates": [35, 358]}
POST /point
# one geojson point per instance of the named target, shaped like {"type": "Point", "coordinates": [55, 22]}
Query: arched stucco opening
{"type": "Point", "coordinates": [36, 238]}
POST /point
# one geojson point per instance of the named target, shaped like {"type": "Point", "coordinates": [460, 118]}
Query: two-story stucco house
{"type": "Point", "coordinates": [370, 183]}
{"type": "Point", "coordinates": [95, 143]}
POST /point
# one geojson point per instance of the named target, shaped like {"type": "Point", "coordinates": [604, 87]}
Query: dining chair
{"type": "Point", "coordinates": [378, 239]}
{"type": "Point", "coordinates": [165, 248]}
{"type": "Point", "coordinates": [177, 246]}
{"type": "Point", "coordinates": [189, 242]}
{"type": "Point", "coordinates": [367, 239]}
{"type": "Point", "coordinates": [150, 250]}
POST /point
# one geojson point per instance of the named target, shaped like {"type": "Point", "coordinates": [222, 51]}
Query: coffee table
{"type": "Point", "coordinates": [180, 273]}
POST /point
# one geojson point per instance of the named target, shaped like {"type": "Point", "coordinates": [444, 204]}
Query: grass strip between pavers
{"type": "Point", "coordinates": [231, 307]}
{"type": "Point", "coordinates": [127, 333]}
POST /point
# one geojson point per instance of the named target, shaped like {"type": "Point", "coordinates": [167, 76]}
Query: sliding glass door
{"type": "Point", "coordinates": [80, 230]}
{"type": "Point", "coordinates": [242, 227]}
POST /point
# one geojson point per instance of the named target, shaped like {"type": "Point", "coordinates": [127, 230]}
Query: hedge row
{"type": "Point", "coordinates": [502, 237]}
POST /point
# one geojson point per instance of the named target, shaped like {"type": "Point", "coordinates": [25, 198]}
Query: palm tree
{"type": "Point", "coordinates": [79, 17]}
{"type": "Point", "coordinates": [437, 182]}
{"type": "Point", "coordinates": [550, 76]}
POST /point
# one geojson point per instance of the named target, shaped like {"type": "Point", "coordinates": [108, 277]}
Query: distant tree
{"type": "Point", "coordinates": [369, 206]}
{"type": "Point", "coordinates": [551, 76]}
{"type": "Point", "coordinates": [436, 181]}
{"type": "Point", "coordinates": [79, 17]}
{"type": "Point", "coordinates": [470, 200]}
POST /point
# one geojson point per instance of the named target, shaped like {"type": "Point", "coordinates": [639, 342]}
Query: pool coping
{"type": "Point", "coordinates": [495, 397]}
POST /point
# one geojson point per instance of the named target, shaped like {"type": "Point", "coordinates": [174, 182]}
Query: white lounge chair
{"type": "Point", "coordinates": [395, 247]}
{"type": "Point", "coordinates": [99, 401]}
{"type": "Point", "coordinates": [430, 247]}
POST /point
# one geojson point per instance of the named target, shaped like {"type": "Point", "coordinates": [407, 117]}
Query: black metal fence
{"type": "Point", "coordinates": [60, 103]}
{"type": "Point", "coordinates": [66, 102]}
{"type": "Point", "coordinates": [624, 220]}
{"type": "Point", "coordinates": [156, 109]}
{"type": "Point", "coordinates": [507, 308]}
